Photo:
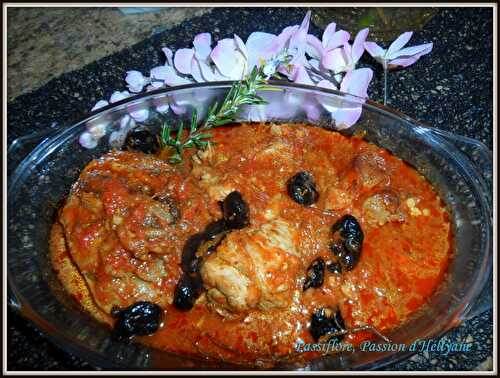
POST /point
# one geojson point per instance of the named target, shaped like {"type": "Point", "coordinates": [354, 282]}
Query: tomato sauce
{"type": "Point", "coordinates": [110, 215]}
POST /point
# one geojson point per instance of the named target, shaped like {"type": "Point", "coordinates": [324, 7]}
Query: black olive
{"type": "Point", "coordinates": [143, 140]}
{"type": "Point", "coordinates": [201, 244]}
{"type": "Point", "coordinates": [215, 228]}
{"type": "Point", "coordinates": [235, 211]}
{"type": "Point", "coordinates": [188, 289]}
{"type": "Point", "coordinates": [302, 189]}
{"type": "Point", "coordinates": [334, 267]}
{"type": "Point", "coordinates": [347, 242]}
{"type": "Point", "coordinates": [315, 274]}
{"type": "Point", "coordinates": [326, 320]}
{"type": "Point", "coordinates": [141, 318]}
{"type": "Point", "coordinates": [189, 260]}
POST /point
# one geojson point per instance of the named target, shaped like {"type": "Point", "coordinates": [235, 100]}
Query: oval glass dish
{"type": "Point", "coordinates": [460, 169]}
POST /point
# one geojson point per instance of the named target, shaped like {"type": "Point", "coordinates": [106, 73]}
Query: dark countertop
{"type": "Point", "coordinates": [451, 89]}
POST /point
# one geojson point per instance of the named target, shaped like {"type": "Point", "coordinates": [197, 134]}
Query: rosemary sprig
{"type": "Point", "coordinates": [242, 92]}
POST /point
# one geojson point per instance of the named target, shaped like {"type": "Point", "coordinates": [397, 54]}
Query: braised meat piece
{"type": "Point", "coordinates": [253, 267]}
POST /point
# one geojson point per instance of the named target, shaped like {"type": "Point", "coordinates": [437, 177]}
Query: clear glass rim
{"type": "Point", "coordinates": [365, 102]}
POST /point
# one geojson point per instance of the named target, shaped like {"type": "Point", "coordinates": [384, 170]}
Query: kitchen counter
{"type": "Point", "coordinates": [451, 88]}
{"type": "Point", "coordinates": [69, 38]}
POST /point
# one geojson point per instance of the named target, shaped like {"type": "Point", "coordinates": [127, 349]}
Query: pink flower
{"type": "Point", "coordinates": [139, 112]}
{"type": "Point", "coordinates": [230, 57]}
{"type": "Point", "coordinates": [118, 96]}
{"type": "Point", "coordinates": [167, 75]}
{"type": "Point", "coordinates": [346, 112]}
{"type": "Point", "coordinates": [331, 39]}
{"type": "Point", "coordinates": [345, 58]}
{"type": "Point", "coordinates": [356, 82]}
{"type": "Point", "coordinates": [100, 104]}
{"type": "Point", "coordinates": [95, 130]}
{"type": "Point", "coordinates": [136, 81]}
{"type": "Point", "coordinates": [396, 55]}
{"type": "Point", "coordinates": [195, 61]}
{"type": "Point", "coordinates": [294, 40]}
{"type": "Point", "coordinates": [332, 60]}
{"type": "Point", "coordinates": [261, 47]}
{"type": "Point", "coordinates": [87, 140]}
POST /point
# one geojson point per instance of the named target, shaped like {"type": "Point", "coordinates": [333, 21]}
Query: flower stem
{"type": "Point", "coordinates": [385, 84]}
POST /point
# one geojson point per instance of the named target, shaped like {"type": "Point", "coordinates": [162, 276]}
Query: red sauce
{"type": "Point", "coordinates": [405, 251]}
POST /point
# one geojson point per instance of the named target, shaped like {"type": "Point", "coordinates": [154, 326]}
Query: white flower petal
{"type": "Point", "coordinates": [302, 77]}
{"type": "Point", "coordinates": [284, 36]}
{"type": "Point", "coordinates": [155, 85]}
{"type": "Point", "coordinates": [160, 72]}
{"type": "Point", "coordinates": [140, 115]}
{"type": "Point", "coordinates": [261, 47]}
{"type": "Point", "coordinates": [224, 56]}
{"type": "Point", "coordinates": [358, 46]}
{"type": "Point", "coordinates": [326, 84]}
{"type": "Point", "coordinates": [172, 79]}
{"type": "Point", "coordinates": [169, 55]}
{"type": "Point", "coordinates": [338, 39]}
{"type": "Point", "coordinates": [162, 108]}
{"type": "Point", "coordinates": [182, 60]}
{"type": "Point", "coordinates": [334, 60]}
{"type": "Point", "coordinates": [86, 140]}
{"type": "Point", "coordinates": [414, 50]}
{"type": "Point", "coordinates": [356, 82]}
{"type": "Point", "coordinates": [330, 103]}
{"type": "Point", "coordinates": [314, 48]}
{"type": "Point", "coordinates": [202, 45]}
{"type": "Point", "coordinates": [206, 71]}
{"type": "Point", "coordinates": [126, 122]}
{"type": "Point", "coordinates": [240, 45]}
{"type": "Point", "coordinates": [118, 96]}
{"type": "Point", "coordinates": [196, 71]}
{"type": "Point", "coordinates": [328, 34]}
{"type": "Point", "coordinates": [374, 50]}
{"type": "Point", "coordinates": [347, 115]}
{"type": "Point", "coordinates": [398, 44]}
{"type": "Point", "coordinates": [100, 104]}
{"type": "Point", "coordinates": [136, 81]}
{"type": "Point", "coordinates": [97, 130]}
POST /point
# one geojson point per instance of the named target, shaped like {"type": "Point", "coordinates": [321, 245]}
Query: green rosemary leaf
{"type": "Point", "coordinates": [194, 121]}
{"type": "Point", "coordinates": [175, 158]}
{"type": "Point", "coordinates": [179, 133]}
{"type": "Point", "coordinates": [204, 136]}
{"type": "Point", "coordinates": [243, 92]}
{"type": "Point", "coordinates": [165, 135]}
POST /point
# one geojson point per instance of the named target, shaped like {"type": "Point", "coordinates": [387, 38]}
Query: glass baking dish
{"type": "Point", "coordinates": [459, 168]}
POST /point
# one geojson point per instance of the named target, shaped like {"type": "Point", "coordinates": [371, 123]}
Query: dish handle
{"type": "Point", "coordinates": [22, 146]}
{"type": "Point", "coordinates": [483, 302]}
{"type": "Point", "coordinates": [481, 158]}
{"type": "Point", "coordinates": [17, 151]}
{"type": "Point", "coordinates": [12, 300]}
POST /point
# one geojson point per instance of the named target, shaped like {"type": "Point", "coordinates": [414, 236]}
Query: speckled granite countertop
{"type": "Point", "coordinates": [451, 89]}
{"type": "Point", "coordinates": [69, 38]}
